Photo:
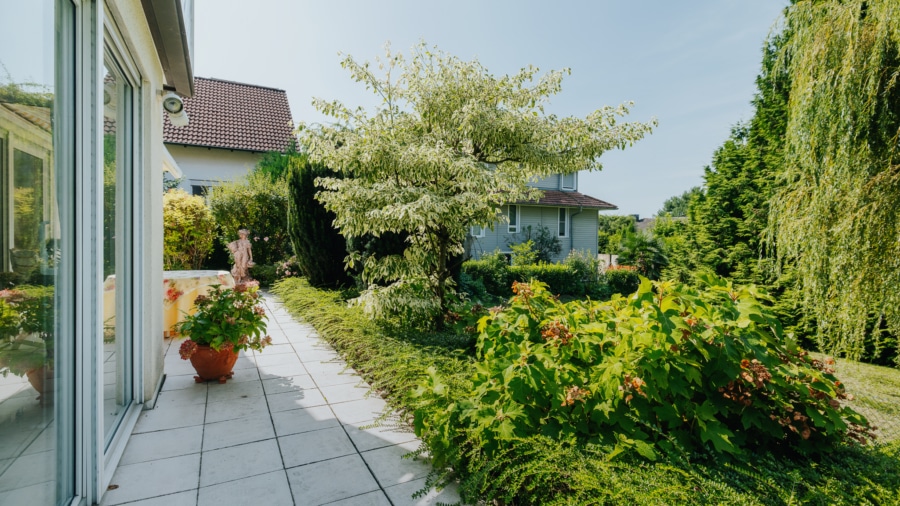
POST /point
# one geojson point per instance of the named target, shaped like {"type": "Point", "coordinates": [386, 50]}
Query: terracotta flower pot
{"type": "Point", "coordinates": [37, 377]}
{"type": "Point", "coordinates": [213, 365]}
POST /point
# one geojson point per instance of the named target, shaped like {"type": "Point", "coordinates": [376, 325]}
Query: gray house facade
{"type": "Point", "coordinates": [569, 215]}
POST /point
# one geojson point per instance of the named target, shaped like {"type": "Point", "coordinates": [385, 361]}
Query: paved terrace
{"type": "Point", "coordinates": [288, 429]}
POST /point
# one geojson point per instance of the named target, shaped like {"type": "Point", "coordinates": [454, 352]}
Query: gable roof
{"type": "Point", "coordinates": [557, 198]}
{"type": "Point", "coordinates": [229, 115]}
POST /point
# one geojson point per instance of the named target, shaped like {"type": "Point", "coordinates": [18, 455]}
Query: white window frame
{"type": "Point", "coordinates": [476, 231]}
{"type": "Point", "coordinates": [513, 228]}
{"type": "Point", "coordinates": [562, 218]}
{"type": "Point", "coordinates": [562, 181]}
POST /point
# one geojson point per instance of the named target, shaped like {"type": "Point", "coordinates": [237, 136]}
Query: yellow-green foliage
{"type": "Point", "coordinates": [259, 204]}
{"type": "Point", "coordinates": [187, 226]}
{"type": "Point", "coordinates": [835, 217]}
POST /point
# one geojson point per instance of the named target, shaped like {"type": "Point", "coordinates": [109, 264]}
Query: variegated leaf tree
{"type": "Point", "coordinates": [448, 146]}
{"type": "Point", "coordinates": [836, 211]}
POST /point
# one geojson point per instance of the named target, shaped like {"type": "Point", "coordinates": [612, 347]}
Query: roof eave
{"type": "Point", "coordinates": [166, 21]}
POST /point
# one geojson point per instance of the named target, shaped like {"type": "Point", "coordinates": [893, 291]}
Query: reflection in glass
{"type": "Point", "coordinates": [29, 241]}
{"type": "Point", "coordinates": [116, 386]}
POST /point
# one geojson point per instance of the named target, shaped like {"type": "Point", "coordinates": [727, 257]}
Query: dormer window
{"type": "Point", "coordinates": [569, 181]}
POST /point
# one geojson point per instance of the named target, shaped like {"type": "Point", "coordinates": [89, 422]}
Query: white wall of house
{"type": "Point", "coordinates": [207, 166]}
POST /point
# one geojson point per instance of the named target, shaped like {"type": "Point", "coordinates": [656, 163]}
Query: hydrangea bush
{"type": "Point", "coordinates": [226, 318]}
{"type": "Point", "coordinates": [669, 368]}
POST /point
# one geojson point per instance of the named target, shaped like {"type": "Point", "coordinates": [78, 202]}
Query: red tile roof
{"type": "Point", "coordinates": [557, 198]}
{"type": "Point", "coordinates": [229, 115]}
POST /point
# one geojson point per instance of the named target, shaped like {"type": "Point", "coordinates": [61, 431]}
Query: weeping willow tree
{"type": "Point", "coordinates": [837, 212]}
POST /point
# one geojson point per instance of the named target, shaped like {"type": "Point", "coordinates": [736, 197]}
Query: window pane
{"type": "Point", "coordinates": [30, 234]}
{"type": "Point", "coordinates": [115, 359]}
{"type": "Point", "coordinates": [568, 181]}
{"type": "Point", "coordinates": [513, 213]}
{"type": "Point", "coordinates": [562, 222]}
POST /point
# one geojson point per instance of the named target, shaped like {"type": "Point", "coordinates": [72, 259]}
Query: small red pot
{"type": "Point", "coordinates": [213, 365]}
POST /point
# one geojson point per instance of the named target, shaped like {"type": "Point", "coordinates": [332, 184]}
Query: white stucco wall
{"type": "Point", "coordinates": [206, 166]}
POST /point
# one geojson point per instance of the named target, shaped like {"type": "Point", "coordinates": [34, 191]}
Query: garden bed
{"type": "Point", "coordinates": [538, 470]}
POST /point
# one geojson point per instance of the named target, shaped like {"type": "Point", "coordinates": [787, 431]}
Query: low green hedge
{"type": "Point", "coordinates": [538, 470]}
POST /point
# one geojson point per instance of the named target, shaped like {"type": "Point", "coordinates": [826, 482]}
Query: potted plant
{"type": "Point", "coordinates": [227, 320]}
{"type": "Point", "coordinates": [26, 334]}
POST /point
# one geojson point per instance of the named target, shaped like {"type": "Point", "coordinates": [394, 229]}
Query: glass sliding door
{"type": "Point", "coordinates": [36, 337]}
{"type": "Point", "coordinates": [117, 347]}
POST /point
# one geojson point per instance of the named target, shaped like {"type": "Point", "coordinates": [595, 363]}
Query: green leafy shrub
{"type": "Point", "coordinates": [669, 368]}
{"type": "Point", "coordinates": [542, 243]}
{"type": "Point", "coordinates": [187, 223]}
{"type": "Point", "coordinates": [523, 253]}
{"type": "Point", "coordinates": [257, 203]}
{"type": "Point", "coordinates": [586, 268]}
{"type": "Point", "coordinates": [621, 279]}
{"type": "Point", "coordinates": [493, 272]}
{"type": "Point", "coordinates": [560, 278]}
{"type": "Point", "coordinates": [646, 253]}
{"type": "Point", "coordinates": [264, 274]}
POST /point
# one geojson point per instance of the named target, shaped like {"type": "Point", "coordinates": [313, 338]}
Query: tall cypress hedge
{"type": "Point", "coordinates": [320, 249]}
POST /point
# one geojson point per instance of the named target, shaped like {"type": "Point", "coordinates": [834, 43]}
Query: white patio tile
{"type": "Point", "coordinates": [235, 408]}
{"type": "Point", "coordinates": [354, 412]}
{"type": "Point", "coordinates": [401, 495]}
{"type": "Point", "coordinates": [181, 397]}
{"type": "Point", "coordinates": [275, 349]}
{"type": "Point", "coordinates": [296, 421]}
{"type": "Point", "coordinates": [318, 355]}
{"type": "Point", "coordinates": [281, 371]}
{"type": "Point", "coordinates": [328, 373]}
{"type": "Point", "coordinates": [297, 399]}
{"type": "Point", "coordinates": [371, 499]}
{"type": "Point", "coordinates": [154, 478]}
{"type": "Point", "coordinates": [41, 493]}
{"type": "Point", "coordinates": [345, 392]}
{"type": "Point", "coordinates": [238, 431]}
{"type": "Point", "coordinates": [236, 462]}
{"type": "Point", "coordinates": [186, 498]}
{"type": "Point", "coordinates": [390, 468]}
{"type": "Point", "coordinates": [270, 489]}
{"type": "Point", "coordinates": [245, 362]}
{"type": "Point", "coordinates": [228, 391]}
{"type": "Point", "coordinates": [170, 417]}
{"type": "Point", "coordinates": [378, 437]}
{"type": "Point", "coordinates": [162, 444]}
{"type": "Point", "coordinates": [242, 375]}
{"type": "Point", "coordinates": [282, 384]}
{"type": "Point", "coordinates": [307, 447]}
{"type": "Point", "coordinates": [28, 470]}
{"type": "Point", "coordinates": [263, 360]}
{"type": "Point", "coordinates": [331, 480]}
{"type": "Point", "coordinates": [175, 366]}
{"type": "Point", "coordinates": [180, 381]}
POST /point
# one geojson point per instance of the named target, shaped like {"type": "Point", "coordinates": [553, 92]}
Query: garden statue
{"type": "Point", "coordinates": [243, 257]}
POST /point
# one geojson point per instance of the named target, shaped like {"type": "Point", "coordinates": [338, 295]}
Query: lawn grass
{"type": "Point", "coordinates": [877, 395]}
{"type": "Point", "coordinates": [540, 471]}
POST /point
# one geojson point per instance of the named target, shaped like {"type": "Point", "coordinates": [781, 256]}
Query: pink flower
{"type": "Point", "coordinates": [256, 238]}
{"type": "Point", "coordinates": [266, 239]}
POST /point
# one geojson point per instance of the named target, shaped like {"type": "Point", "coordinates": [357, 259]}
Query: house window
{"type": "Point", "coordinates": [477, 231]}
{"type": "Point", "coordinates": [512, 213]}
{"type": "Point", "coordinates": [38, 335]}
{"type": "Point", "coordinates": [563, 227]}
{"type": "Point", "coordinates": [201, 190]}
{"type": "Point", "coordinates": [569, 181]}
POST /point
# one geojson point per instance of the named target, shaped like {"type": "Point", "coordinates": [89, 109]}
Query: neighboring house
{"type": "Point", "coordinates": [81, 173]}
{"type": "Point", "coordinates": [231, 126]}
{"type": "Point", "coordinates": [568, 215]}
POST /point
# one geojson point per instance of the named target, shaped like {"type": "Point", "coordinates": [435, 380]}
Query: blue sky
{"type": "Point", "coordinates": [691, 64]}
